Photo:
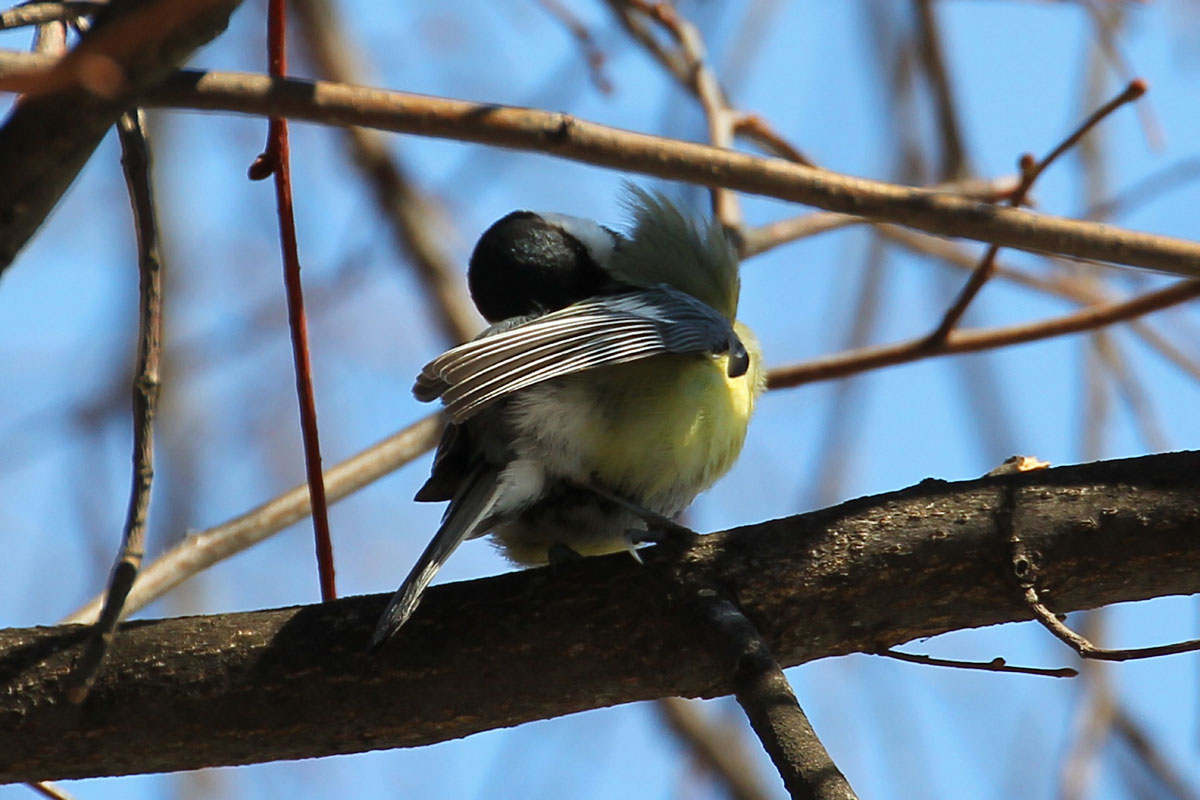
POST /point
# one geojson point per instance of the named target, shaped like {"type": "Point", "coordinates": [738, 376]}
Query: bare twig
{"type": "Point", "coordinates": [1083, 293]}
{"type": "Point", "coordinates": [1030, 170]}
{"type": "Point", "coordinates": [970, 341]}
{"type": "Point", "coordinates": [199, 551]}
{"type": "Point", "coordinates": [932, 59]}
{"type": "Point", "coordinates": [276, 160]}
{"type": "Point", "coordinates": [135, 159]}
{"type": "Point", "coordinates": [762, 238]}
{"type": "Point", "coordinates": [1151, 756]}
{"type": "Point", "coordinates": [755, 128]}
{"type": "Point", "coordinates": [689, 65]}
{"type": "Point", "coordinates": [684, 65]}
{"type": "Point", "coordinates": [1131, 391]}
{"type": "Point", "coordinates": [1092, 726]}
{"type": "Point", "coordinates": [1107, 22]}
{"type": "Point", "coordinates": [1164, 180]}
{"type": "Point", "coordinates": [836, 447]}
{"type": "Point", "coordinates": [995, 665]}
{"type": "Point", "coordinates": [1086, 649]}
{"type": "Point", "coordinates": [565, 136]}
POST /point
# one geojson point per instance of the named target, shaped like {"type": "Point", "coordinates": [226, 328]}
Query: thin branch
{"type": "Point", "coordinates": [1146, 189]}
{"type": "Point", "coordinates": [1151, 756]}
{"type": "Point", "coordinates": [1106, 28]}
{"type": "Point", "coordinates": [689, 65]}
{"type": "Point", "coordinates": [933, 60]}
{"type": "Point", "coordinates": [1132, 392]}
{"type": "Point", "coordinates": [995, 665]}
{"type": "Point", "coordinates": [1086, 649]}
{"type": "Point", "coordinates": [761, 238]}
{"type": "Point", "coordinates": [1081, 292]}
{"type": "Point", "coordinates": [199, 551]}
{"type": "Point", "coordinates": [835, 449]}
{"type": "Point", "coordinates": [755, 127]}
{"type": "Point", "coordinates": [276, 160]}
{"type": "Point", "coordinates": [135, 160]}
{"type": "Point", "coordinates": [1030, 171]}
{"type": "Point", "coordinates": [1092, 726]}
{"type": "Point", "coordinates": [565, 136]}
{"type": "Point", "coordinates": [48, 789]}
{"type": "Point", "coordinates": [970, 341]}
{"type": "Point", "coordinates": [679, 66]}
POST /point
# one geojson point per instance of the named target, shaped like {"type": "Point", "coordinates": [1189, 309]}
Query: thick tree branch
{"type": "Point", "coordinates": [296, 683]}
{"type": "Point", "coordinates": [51, 134]}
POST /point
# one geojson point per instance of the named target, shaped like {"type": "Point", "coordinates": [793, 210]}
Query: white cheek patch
{"type": "Point", "coordinates": [595, 238]}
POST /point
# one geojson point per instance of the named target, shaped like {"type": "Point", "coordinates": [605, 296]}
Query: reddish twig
{"type": "Point", "coordinates": [1030, 170]}
{"type": "Point", "coordinates": [1081, 292]}
{"type": "Point", "coordinates": [995, 665]}
{"type": "Point", "coordinates": [276, 160]}
{"type": "Point", "coordinates": [971, 341]}
{"type": "Point", "coordinates": [135, 159]}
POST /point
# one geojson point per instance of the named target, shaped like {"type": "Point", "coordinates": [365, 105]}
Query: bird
{"type": "Point", "coordinates": [613, 385]}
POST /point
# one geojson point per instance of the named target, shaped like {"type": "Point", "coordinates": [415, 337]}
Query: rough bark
{"type": "Point", "coordinates": [296, 683]}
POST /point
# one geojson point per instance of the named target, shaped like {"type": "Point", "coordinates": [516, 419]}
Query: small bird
{"type": "Point", "coordinates": [613, 379]}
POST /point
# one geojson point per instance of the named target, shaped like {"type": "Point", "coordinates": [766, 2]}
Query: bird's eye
{"type": "Point", "coordinates": [739, 360]}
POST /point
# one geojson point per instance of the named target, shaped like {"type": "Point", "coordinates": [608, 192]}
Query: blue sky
{"type": "Point", "coordinates": [228, 439]}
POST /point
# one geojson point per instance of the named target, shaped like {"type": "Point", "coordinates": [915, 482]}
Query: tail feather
{"type": "Point", "coordinates": [472, 505]}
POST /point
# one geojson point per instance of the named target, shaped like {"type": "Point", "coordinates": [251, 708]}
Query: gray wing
{"type": "Point", "coordinates": [606, 330]}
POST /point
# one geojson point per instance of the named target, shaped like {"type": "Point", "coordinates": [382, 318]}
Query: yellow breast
{"type": "Point", "coordinates": [664, 429]}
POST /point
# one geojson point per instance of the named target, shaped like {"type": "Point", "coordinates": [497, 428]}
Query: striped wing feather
{"type": "Point", "coordinates": [595, 333]}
